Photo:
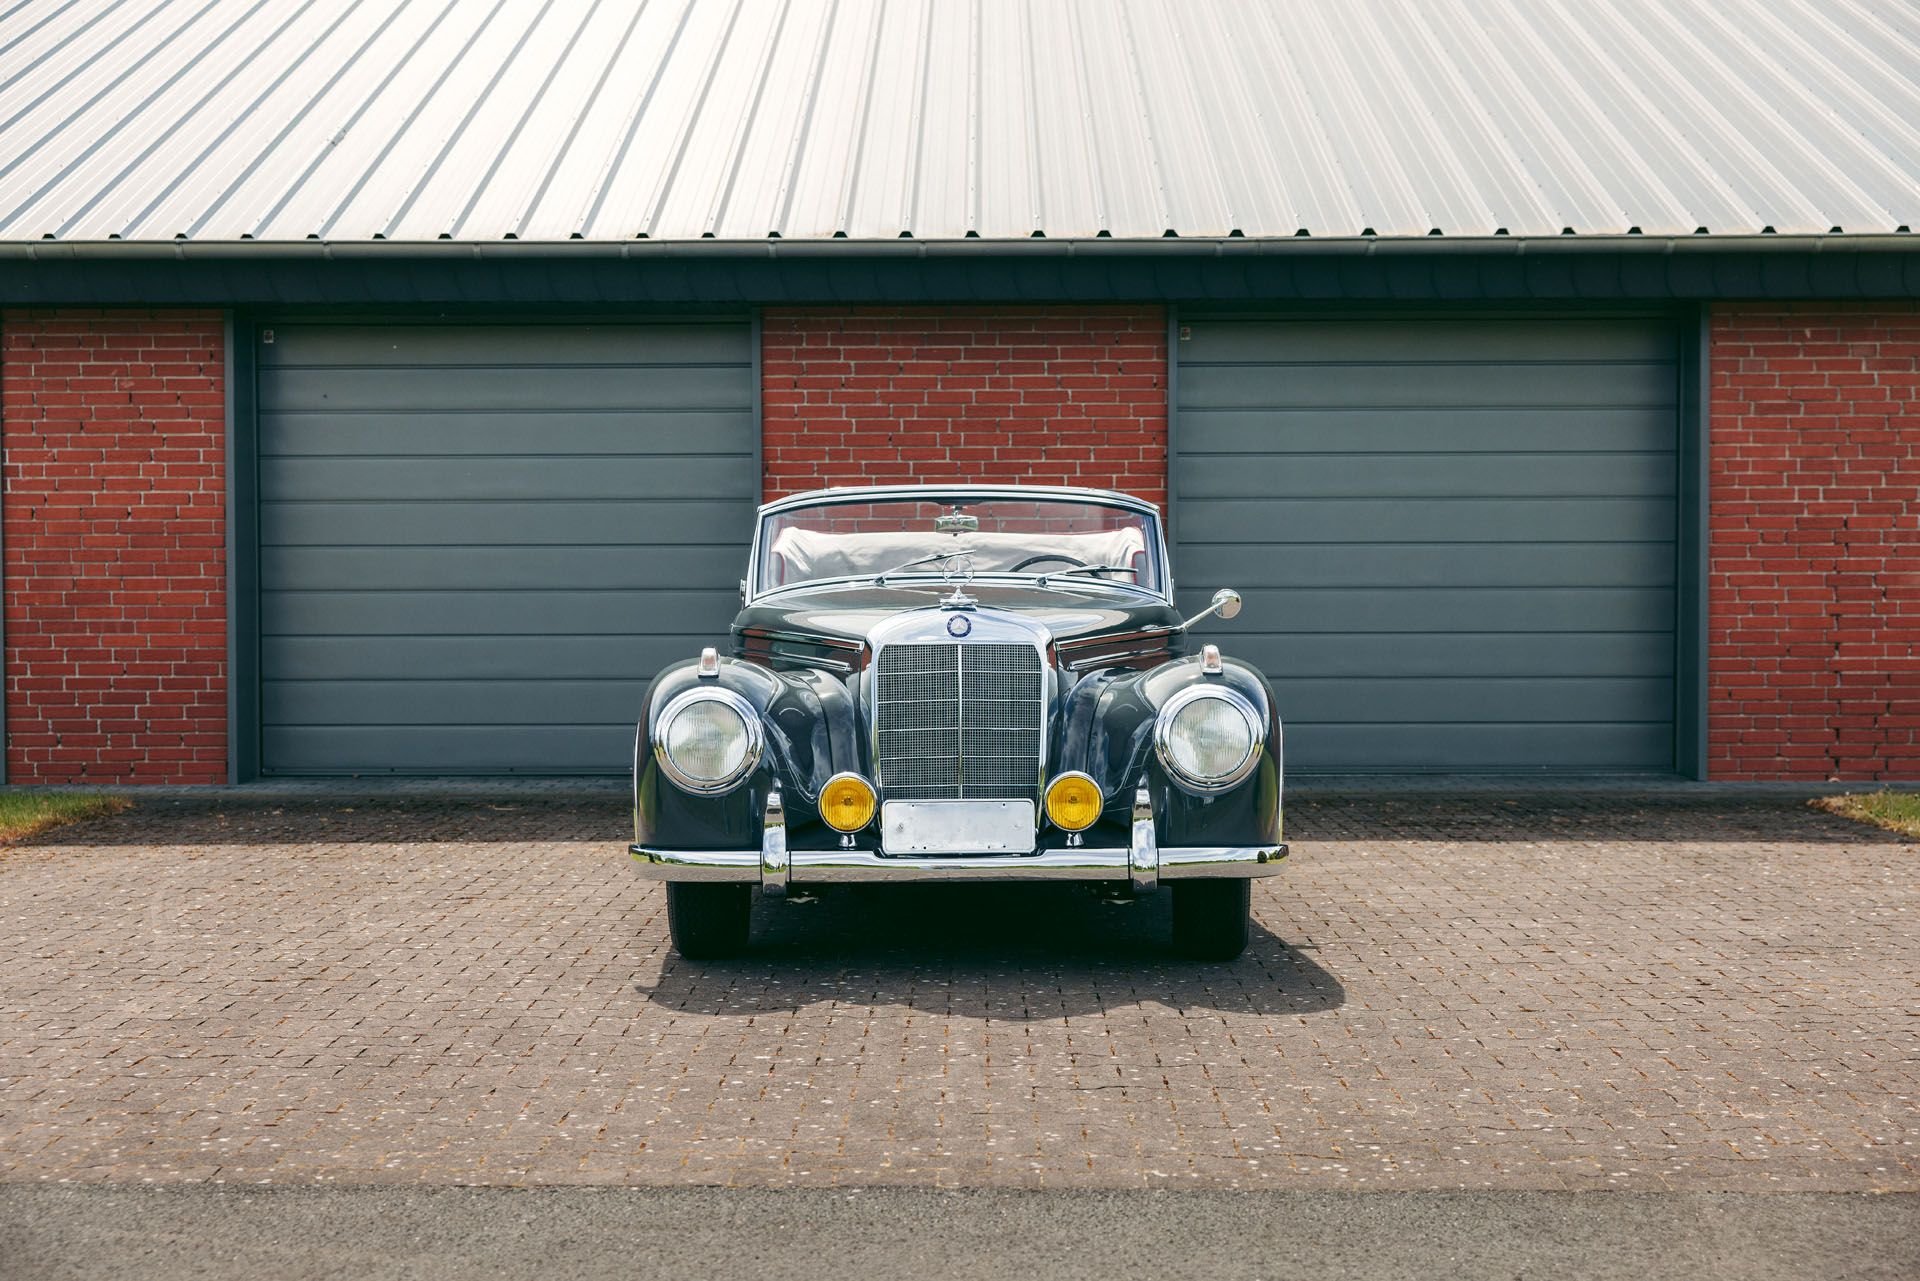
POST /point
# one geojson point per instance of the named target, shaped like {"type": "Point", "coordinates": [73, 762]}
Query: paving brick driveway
{"type": "Point", "coordinates": [1671, 989]}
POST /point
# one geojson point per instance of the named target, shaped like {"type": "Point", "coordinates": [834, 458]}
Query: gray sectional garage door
{"type": "Point", "coordinates": [1455, 536]}
{"type": "Point", "coordinates": [478, 542]}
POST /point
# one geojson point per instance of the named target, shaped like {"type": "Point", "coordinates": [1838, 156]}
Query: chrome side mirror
{"type": "Point", "coordinates": [1226, 603]}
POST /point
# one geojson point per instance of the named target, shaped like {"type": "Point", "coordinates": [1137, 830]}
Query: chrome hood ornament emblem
{"type": "Point", "coordinates": [958, 570]}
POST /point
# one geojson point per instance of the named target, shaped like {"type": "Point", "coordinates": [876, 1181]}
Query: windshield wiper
{"type": "Point", "coordinates": [1090, 569]}
{"type": "Point", "coordinates": [880, 580]}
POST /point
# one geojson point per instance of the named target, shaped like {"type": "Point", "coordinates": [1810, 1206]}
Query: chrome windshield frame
{"type": "Point", "coordinates": [933, 493]}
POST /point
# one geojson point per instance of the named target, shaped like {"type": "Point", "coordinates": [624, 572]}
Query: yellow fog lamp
{"type": "Point", "coordinates": [847, 803]}
{"type": "Point", "coordinates": [1073, 802]}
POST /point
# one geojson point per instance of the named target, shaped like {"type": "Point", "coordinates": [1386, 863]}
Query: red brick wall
{"type": "Point", "coordinates": [114, 510]}
{"type": "Point", "coordinates": [1054, 396]}
{"type": "Point", "coordinates": [1814, 593]}
{"type": "Point", "coordinates": [115, 564]}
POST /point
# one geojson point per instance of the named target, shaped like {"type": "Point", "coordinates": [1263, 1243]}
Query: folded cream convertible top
{"type": "Point", "coordinates": [803, 554]}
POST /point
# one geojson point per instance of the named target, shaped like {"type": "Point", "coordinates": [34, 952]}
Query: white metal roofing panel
{"type": "Point", "coordinates": [829, 126]}
{"type": "Point", "coordinates": [1288, 125]}
{"type": "Point", "coordinates": [273, 159]}
{"type": "Point", "coordinates": [574, 181]}
{"type": "Point", "coordinates": [1065, 172]}
{"type": "Point", "coordinates": [423, 120]}
{"type": "Point", "coordinates": [1132, 188]}
{"type": "Point", "coordinates": [1007, 152]}
{"type": "Point", "coordinates": [677, 71]}
{"type": "Point", "coordinates": [488, 131]}
{"type": "Point", "coordinates": [880, 184]}
{"type": "Point", "coordinates": [199, 112]}
{"type": "Point", "coordinates": [501, 186]}
{"type": "Point", "coordinates": [1179, 137]}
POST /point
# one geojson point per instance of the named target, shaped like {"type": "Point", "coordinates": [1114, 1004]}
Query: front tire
{"type": "Point", "coordinates": [1211, 918]}
{"type": "Point", "coordinates": [709, 921]}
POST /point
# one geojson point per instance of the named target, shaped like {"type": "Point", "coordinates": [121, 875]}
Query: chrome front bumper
{"type": "Point", "coordinates": [775, 867]}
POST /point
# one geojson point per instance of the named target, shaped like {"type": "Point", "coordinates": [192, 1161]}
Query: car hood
{"type": "Point", "coordinates": [850, 611]}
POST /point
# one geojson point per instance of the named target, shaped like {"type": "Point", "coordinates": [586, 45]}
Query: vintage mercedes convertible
{"type": "Point", "coordinates": [959, 683]}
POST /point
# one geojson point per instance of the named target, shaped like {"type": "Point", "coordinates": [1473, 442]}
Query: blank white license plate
{"type": "Point", "coordinates": [957, 827]}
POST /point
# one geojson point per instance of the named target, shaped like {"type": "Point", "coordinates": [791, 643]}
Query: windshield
{"type": "Point", "coordinates": [958, 536]}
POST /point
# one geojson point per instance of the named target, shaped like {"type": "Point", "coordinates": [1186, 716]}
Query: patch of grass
{"type": "Point", "coordinates": [1895, 811]}
{"type": "Point", "coordinates": [24, 814]}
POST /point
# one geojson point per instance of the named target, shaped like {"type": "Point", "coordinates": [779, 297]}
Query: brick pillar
{"type": "Point", "coordinates": [1047, 396]}
{"type": "Point", "coordinates": [1814, 573]}
{"type": "Point", "coordinates": [112, 425]}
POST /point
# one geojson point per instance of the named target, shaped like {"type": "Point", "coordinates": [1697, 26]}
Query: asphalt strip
{"type": "Point", "coordinates": [52, 1232]}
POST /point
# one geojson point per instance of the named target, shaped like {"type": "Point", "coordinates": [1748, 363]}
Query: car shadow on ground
{"type": "Point", "coordinates": [1009, 952]}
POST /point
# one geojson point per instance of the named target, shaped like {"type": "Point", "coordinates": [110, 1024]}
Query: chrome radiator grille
{"type": "Point", "coordinates": [958, 722]}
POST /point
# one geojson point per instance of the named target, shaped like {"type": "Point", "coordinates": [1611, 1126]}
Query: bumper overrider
{"type": "Point", "coordinates": [1143, 862]}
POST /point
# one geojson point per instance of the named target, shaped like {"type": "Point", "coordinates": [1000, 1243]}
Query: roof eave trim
{"type": "Point", "coordinates": [1188, 247]}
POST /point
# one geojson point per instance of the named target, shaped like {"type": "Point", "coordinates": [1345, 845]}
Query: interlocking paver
{"type": "Point", "coordinates": [1708, 990]}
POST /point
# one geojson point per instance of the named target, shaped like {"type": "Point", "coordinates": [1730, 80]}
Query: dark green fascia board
{"type": "Point", "coordinates": [905, 271]}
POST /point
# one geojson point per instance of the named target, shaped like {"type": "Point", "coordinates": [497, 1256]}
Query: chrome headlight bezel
{"type": "Point", "coordinates": [755, 748]}
{"type": "Point", "coordinates": [1163, 739]}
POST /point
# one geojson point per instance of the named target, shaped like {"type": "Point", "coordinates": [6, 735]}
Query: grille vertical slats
{"type": "Point", "coordinates": [958, 722]}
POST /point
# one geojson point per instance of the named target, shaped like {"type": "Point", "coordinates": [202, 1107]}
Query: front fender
{"type": "Point", "coordinates": [807, 719]}
{"type": "Point", "coordinates": [1107, 731]}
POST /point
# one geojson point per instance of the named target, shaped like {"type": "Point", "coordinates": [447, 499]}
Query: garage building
{"type": "Point", "coordinates": [387, 390]}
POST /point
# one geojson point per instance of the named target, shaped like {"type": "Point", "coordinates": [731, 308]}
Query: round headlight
{"type": "Point", "coordinates": [1208, 738]}
{"type": "Point", "coordinates": [707, 740]}
{"type": "Point", "coordinates": [847, 803]}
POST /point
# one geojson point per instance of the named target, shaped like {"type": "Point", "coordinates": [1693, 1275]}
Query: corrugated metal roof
{"type": "Point", "coordinates": [480, 120]}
